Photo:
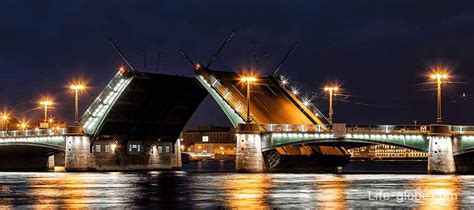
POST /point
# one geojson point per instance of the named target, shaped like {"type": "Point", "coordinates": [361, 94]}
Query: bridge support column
{"type": "Point", "coordinates": [440, 152]}
{"type": "Point", "coordinates": [78, 154]}
{"type": "Point", "coordinates": [249, 156]}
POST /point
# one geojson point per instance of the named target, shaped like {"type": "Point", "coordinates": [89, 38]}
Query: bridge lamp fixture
{"type": "Point", "coordinates": [197, 66]}
{"type": "Point", "coordinates": [46, 103]}
{"type": "Point", "coordinates": [23, 125]}
{"type": "Point", "coordinates": [122, 68]}
{"type": "Point", "coordinates": [306, 103]}
{"type": "Point", "coordinates": [295, 92]}
{"type": "Point", "coordinates": [331, 89]}
{"type": "Point", "coordinates": [5, 117]}
{"type": "Point", "coordinates": [77, 87]}
{"type": "Point", "coordinates": [249, 80]}
{"type": "Point", "coordinates": [440, 77]}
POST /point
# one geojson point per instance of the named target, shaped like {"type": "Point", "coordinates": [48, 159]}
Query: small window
{"type": "Point", "coordinates": [160, 149]}
{"type": "Point", "coordinates": [97, 148]}
{"type": "Point", "coordinates": [107, 148]}
{"type": "Point", "coordinates": [134, 148]}
{"type": "Point", "coordinates": [167, 149]}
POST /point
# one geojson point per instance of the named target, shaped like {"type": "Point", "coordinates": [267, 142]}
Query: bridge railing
{"type": "Point", "coordinates": [389, 129]}
{"type": "Point", "coordinates": [291, 128]}
{"type": "Point", "coordinates": [32, 133]}
{"type": "Point", "coordinates": [226, 95]}
{"type": "Point", "coordinates": [462, 129]}
{"type": "Point", "coordinates": [349, 128]}
{"type": "Point", "coordinates": [384, 128]}
{"type": "Point", "coordinates": [98, 110]}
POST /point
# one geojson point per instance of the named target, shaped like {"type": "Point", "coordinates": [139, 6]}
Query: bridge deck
{"type": "Point", "coordinates": [269, 102]}
{"type": "Point", "coordinates": [143, 106]}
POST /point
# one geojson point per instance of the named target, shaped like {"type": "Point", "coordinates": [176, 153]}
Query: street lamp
{"type": "Point", "coordinates": [249, 80]}
{"type": "Point", "coordinates": [439, 76]}
{"type": "Point", "coordinates": [331, 89]}
{"type": "Point", "coordinates": [46, 102]}
{"type": "Point", "coordinates": [23, 125]}
{"type": "Point", "coordinates": [78, 87]}
{"type": "Point", "coordinates": [5, 121]}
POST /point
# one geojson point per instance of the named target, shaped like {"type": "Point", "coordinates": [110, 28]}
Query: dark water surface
{"type": "Point", "coordinates": [192, 189]}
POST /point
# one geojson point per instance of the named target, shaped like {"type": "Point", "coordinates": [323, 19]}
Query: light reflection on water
{"type": "Point", "coordinates": [230, 190]}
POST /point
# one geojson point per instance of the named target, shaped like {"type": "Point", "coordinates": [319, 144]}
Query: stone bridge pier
{"type": "Point", "coordinates": [440, 150]}
{"type": "Point", "coordinates": [249, 157]}
{"type": "Point", "coordinates": [78, 155]}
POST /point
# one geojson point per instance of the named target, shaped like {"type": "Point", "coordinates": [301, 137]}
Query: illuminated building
{"type": "Point", "coordinates": [383, 151]}
{"type": "Point", "coordinates": [209, 139]}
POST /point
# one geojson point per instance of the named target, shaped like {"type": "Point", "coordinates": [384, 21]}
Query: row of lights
{"type": "Point", "coordinates": [286, 127]}
{"type": "Point", "coordinates": [46, 103]}
{"type": "Point", "coordinates": [223, 98]}
{"type": "Point", "coordinates": [439, 138]}
{"type": "Point", "coordinates": [439, 74]}
{"type": "Point", "coordinates": [467, 137]}
{"type": "Point", "coordinates": [249, 79]}
{"type": "Point", "coordinates": [330, 89]}
{"type": "Point", "coordinates": [32, 139]}
{"type": "Point", "coordinates": [355, 136]}
{"type": "Point", "coordinates": [105, 104]}
{"type": "Point", "coordinates": [383, 136]}
{"type": "Point", "coordinates": [301, 135]}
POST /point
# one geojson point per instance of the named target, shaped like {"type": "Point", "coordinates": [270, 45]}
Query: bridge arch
{"type": "Point", "coordinates": [27, 156]}
{"type": "Point", "coordinates": [363, 142]}
{"type": "Point", "coordinates": [414, 142]}
{"type": "Point", "coordinates": [58, 148]}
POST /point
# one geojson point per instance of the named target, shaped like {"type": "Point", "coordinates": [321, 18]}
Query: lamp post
{"type": "Point", "coordinates": [4, 122]}
{"type": "Point", "coordinates": [46, 103]}
{"type": "Point", "coordinates": [23, 125]}
{"type": "Point", "coordinates": [331, 90]}
{"type": "Point", "coordinates": [77, 88]}
{"type": "Point", "coordinates": [439, 76]}
{"type": "Point", "coordinates": [249, 80]}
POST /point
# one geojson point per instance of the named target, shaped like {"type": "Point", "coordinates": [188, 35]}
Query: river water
{"type": "Point", "coordinates": [201, 189]}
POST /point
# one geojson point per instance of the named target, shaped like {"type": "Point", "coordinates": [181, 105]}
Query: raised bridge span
{"type": "Point", "coordinates": [280, 118]}
{"type": "Point", "coordinates": [133, 124]}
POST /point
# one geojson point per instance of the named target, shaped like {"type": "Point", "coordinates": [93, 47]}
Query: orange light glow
{"type": "Point", "coordinates": [23, 125]}
{"type": "Point", "coordinates": [5, 116]}
{"type": "Point", "coordinates": [78, 86]}
{"type": "Point", "coordinates": [439, 76]}
{"type": "Point", "coordinates": [248, 79]}
{"type": "Point", "coordinates": [46, 102]}
{"type": "Point", "coordinates": [332, 88]}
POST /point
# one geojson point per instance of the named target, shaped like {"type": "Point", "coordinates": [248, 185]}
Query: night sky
{"type": "Point", "coordinates": [379, 51]}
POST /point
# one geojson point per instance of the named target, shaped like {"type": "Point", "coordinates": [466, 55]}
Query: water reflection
{"type": "Point", "coordinates": [172, 190]}
{"type": "Point", "coordinates": [437, 192]}
{"type": "Point", "coordinates": [331, 192]}
{"type": "Point", "coordinates": [78, 190]}
{"type": "Point", "coordinates": [246, 190]}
